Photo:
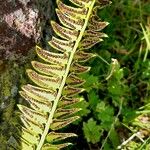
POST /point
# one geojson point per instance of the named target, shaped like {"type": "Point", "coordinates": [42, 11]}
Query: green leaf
{"type": "Point", "coordinates": [105, 115]}
{"type": "Point", "coordinates": [92, 131]}
{"type": "Point", "coordinates": [84, 108]}
{"type": "Point", "coordinates": [93, 99]}
{"type": "Point", "coordinates": [114, 137]}
{"type": "Point", "coordinates": [91, 81]}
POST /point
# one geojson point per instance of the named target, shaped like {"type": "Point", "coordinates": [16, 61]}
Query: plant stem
{"type": "Point", "coordinates": [112, 126]}
{"type": "Point", "coordinates": [103, 59]}
{"type": "Point", "coordinates": [147, 42]}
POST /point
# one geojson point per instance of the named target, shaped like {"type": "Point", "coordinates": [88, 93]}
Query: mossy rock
{"type": "Point", "coordinates": [22, 25]}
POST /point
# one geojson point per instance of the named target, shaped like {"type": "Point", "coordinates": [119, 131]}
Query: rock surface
{"type": "Point", "coordinates": [23, 23]}
{"type": "Point", "coordinates": [19, 30]}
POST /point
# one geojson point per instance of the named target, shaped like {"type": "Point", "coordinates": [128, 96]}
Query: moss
{"type": "Point", "coordinates": [2, 66]}
{"type": "Point", "coordinates": [11, 79]}
{"type": "Point", "coordinates": [6, 84]}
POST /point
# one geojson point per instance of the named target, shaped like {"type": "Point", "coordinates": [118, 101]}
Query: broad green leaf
{"type": "Point", "coordinates": [92, 131]}
{"type": "Point", "coordinates": [93, 99]}
{"type": "Point", "coordinates": [105, 115]}
{"type": "Point", "coordinates": [85, 110]}
{"type": "Point", "coordinates": [114, 137]}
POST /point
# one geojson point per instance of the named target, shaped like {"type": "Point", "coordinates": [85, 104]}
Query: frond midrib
{"type": "Point", "coordinates": [50, 119]}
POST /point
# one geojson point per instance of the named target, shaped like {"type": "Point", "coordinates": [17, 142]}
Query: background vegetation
{"type": "Point", "coordinates": [116, 110]}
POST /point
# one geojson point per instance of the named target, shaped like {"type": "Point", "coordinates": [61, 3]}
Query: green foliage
{"type": "Point", "coordinates": [92, 131]}
{"type": "Point", "coordinates": [84, 105]}
{"type": "Point", "coordinates": [105, 114]}
{"type": "Point", "coordinates": [117, 88]}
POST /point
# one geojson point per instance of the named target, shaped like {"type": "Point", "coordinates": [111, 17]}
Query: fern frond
{"type": "Point", "coordinates": [57, 79]}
